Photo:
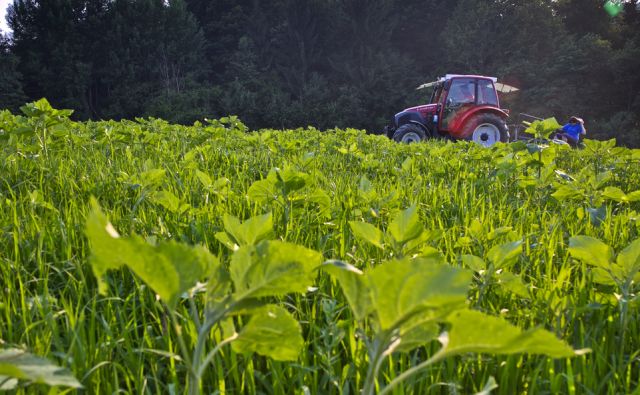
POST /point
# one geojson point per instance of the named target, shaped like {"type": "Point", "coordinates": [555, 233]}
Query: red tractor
{"type": "Point", "coordinates": [462, 107]}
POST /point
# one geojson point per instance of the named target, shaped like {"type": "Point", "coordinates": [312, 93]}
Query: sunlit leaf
{"type": "Point", "coordinates": [273, 268]}
{"type": "Point", "coordinates": [473, 262]}
{"type": "Point", "coordinates": [169, 201]}
{"type": "Point", "coordinates": [406, 225]}
{"type": "Point", "coordinates": [251, 231]}
{"type": "Point", "coordinates": [591, 251]}
{"type": "Point", "coordinates": [204, 179]}
{"type": "Point", "coordinates": [367, 232]}
{"type": "Point", "coordinates": [512, 283]}
{"type": "Point", "coordinates": [403, 289]}
{"type": "Point", "coordinates": [565, 192]}
{"type": "Point", "coordinates": [168, 268]}
{"type": "Point", "coordinates": [505, 255]}
{"type": "Point", "coordinates": [496, 336]}
{"type": "Point", "coordinates": [271, 332]}
{"type": "Point", "coordinates": [614, 193]}
{"type": "Point", "coordinates": [263, 191]}
{"type": "Point", "coordinates": [629, 259]}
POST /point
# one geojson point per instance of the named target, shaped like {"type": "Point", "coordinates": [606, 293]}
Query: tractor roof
{"type": "Point", "coordinates": [504, 88]}
{"type": "Point", "coordinates": [450, 76]}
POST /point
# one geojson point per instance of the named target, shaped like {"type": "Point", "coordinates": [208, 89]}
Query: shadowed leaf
{"type": "Point", "coordinates": [21, 365]}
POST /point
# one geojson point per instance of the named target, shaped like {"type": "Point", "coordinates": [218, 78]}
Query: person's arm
{"type": "Point", "coordinates": [583, 131]}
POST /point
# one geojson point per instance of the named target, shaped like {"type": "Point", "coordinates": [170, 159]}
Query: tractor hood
{"type": "Point", "coordinates": [420, 114]}
{"type": "Point", "coordinates": [424, 109]}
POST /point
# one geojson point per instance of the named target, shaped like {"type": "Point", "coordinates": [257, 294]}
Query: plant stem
{"type": "Point", "coordinates": [213, 353]}
{"type": "Point", "coordinates": [376, 355]}
{"type": "Point", "coordinates": [198, 363]}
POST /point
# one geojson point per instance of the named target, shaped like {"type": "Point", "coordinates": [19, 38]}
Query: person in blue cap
{"type": "Point", "coordinates": [572, 131]}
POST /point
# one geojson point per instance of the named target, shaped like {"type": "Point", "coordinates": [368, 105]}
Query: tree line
{"type": "Point", "coordinates": [326, 63]}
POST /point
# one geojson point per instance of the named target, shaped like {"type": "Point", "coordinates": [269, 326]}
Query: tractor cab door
{"type": "Point", "coordinates": [458, 98]}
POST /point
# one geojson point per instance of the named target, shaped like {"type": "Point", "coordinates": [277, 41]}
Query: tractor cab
{"type": "Point", "coordinates": [462, 107]}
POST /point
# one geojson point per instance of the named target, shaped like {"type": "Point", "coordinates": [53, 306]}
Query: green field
{"type": "Point", "coordinates": [335, 261]}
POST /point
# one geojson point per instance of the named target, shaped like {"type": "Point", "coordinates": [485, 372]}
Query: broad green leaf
{"type": "Point", "coordinates": [169, 201]}
{"type": "Point", "coordinates": [168, 268]}
{"type": "Point", "coordinates": [271, 332]}
{"type": "Point", "coordinates": [512, 283]}
{"type": "Point", "coordinates": [272, 268]}
{"type": "Point", "coordinates": [474, 263]}
{"type": "Point", "coordinates": [288, 180]}
{"type": "Point", "coordinates": [417, 336]}
{"type": "Point", "coordinates": [614, 193]}
{"type": "Point", "coordinates": [21, 365]}
{"type": "Point", "coordinates": [224, 238]}
{"type": "Point", "coordinates": [464, 241]}
{"type": "Point", "coordinates": [476, 229]}
{"type": "Point", "coordinates": [505, 255]}
{"type": "Point", "coordinates": [629, 259]}
{"type": "Point", "coordinates": [407, 165]}
{"type": "Point", "coordinates": [604, 277]}
{"type": "Point", "coordinates": [599, 180]}
{"type": "Point", "coordinates": [322, 199]}
{"type": "Point", "coordinates": [406, 289]}
{"type": "Point", "coordinates": [424, 237]}
{"type": "Point", "coordinates": [566, 192]}
{"type": "Point", "coordinates": [221, 184]}
{"type": "Point", "coordinates": [591, 251]}
{"type": "Point", "coordinates": [152, 177]}
{"type": "Point", "coordinates": [472, 331]}
{"type": "Point", "coordinates": [263, 191]}
{"type": "Point", "coordinates": [204, 179]}
{"type": "Point", "coordinates": [406, 225]}
{"type": "Point", "coordinates": [634, 196]}
{"type": "Point", "coordinates": [251, 231]}
{"type": "Point", "coordinates": [549, 126]}
{"type": "Point", "coordinates": [367, 232]}
{"type": "Point", "coordinates": [433, 254]}
{"type": "Point", "coordinates": [502, 231]}
{"type": "Point", "coordinates": [354, 286]}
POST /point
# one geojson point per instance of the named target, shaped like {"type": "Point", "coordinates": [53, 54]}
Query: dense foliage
{"type": "Point", "coordinates": [346, 63]}
{"type": "Point", "coordinates": [109, 230]}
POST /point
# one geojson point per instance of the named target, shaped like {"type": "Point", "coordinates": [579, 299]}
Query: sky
{"type": "Point", "coordinates": [3, 13]}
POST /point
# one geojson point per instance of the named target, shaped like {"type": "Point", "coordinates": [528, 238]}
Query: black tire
{"type": "Point", "coordinates": [486, 129]}
{"type": "Point", "coordinates": [409, 133]}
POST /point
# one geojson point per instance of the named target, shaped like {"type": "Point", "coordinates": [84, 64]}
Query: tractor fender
{"type": "Point", "coordinates": [413, 117]}
{"type": "Point", "coordinates": [405, 117]}
{"type": "Point", "coordinates": [461, 121]}
{"type": "Point", "coordinates": [421, 126]}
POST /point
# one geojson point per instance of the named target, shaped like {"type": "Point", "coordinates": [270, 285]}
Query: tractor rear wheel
{"type": "Point", "coordinates": [486, 129]}
{"type": "Point", "coordinates": [409, 133]}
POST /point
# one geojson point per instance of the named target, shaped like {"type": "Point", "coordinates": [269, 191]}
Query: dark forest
{"type": "Point", "coordinates": [326, 63]}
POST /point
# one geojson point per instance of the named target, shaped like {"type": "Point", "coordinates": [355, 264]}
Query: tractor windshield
{"type": "Point", "coordinates": [462, 91]}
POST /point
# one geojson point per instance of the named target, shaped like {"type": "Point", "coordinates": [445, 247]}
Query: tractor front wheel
{"type": "Point", "coordinates": [486, 129]}
{"type": "Point", "coordinates": [409, 133]}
